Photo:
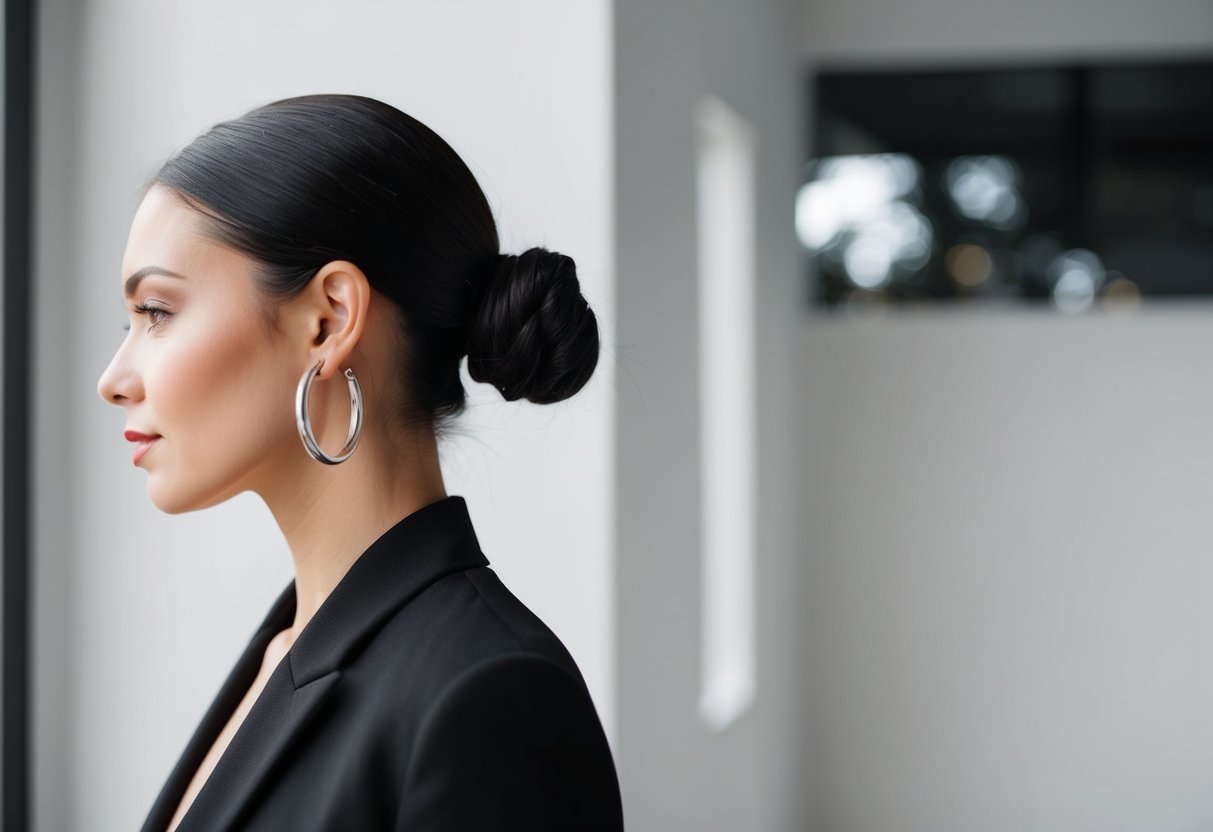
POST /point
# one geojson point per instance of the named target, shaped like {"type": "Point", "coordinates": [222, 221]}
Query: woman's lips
{"type": "Point", "coordinates": [142, 449]}
{"type": "Point", "coordinates": [144, 441]}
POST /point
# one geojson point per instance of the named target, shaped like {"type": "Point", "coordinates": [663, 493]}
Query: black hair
{"type": "Point", "coordinates": [303, 181]}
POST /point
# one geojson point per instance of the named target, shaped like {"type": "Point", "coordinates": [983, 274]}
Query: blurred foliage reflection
{"type": "Point", "coordinates": [1075, 187]}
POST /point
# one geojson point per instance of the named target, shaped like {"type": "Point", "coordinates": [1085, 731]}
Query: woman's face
{"type": "Point", "coordinates": [199, 367]}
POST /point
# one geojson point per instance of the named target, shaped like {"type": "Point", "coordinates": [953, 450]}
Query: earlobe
{"type": "Point", "coordinates": [343, 295]}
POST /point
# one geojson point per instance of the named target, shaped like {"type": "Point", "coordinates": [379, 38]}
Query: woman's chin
{"type": "Point", "coordinates": [180, 501]}
{"type": "Point", "coordinates": [167, 504]}
{"type": "Point", "coordinates": [171, 500]}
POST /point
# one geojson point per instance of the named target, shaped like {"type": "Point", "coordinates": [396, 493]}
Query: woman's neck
{"type": "Point", "coordinates": [330, 515]}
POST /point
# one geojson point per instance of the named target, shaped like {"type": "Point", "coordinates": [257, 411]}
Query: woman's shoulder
{"type": "Point", "coordinates": [510, 731]}
{"type": "Point", "coordinates": [473, 706]}
{"type": "Point", "coordinates": [465, 623]}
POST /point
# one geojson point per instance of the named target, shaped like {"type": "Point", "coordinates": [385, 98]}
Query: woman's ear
{"type": "Point", "coordinates": [334, 308]}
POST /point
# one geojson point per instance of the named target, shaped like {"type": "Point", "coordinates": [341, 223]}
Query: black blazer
{"type": "Point", "coordinates": [421, 696]}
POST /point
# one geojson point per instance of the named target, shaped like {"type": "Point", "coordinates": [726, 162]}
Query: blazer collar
{"type": "Point", "coordinates": [428, 544]}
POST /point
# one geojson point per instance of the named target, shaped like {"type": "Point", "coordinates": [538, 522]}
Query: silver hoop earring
{"type": "Point", "coordinates": [305, 425]}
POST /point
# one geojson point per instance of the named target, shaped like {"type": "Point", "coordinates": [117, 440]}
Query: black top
{"type": "Point", "coordinates": [422, 695]}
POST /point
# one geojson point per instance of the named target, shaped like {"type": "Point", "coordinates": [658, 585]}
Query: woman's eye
{"type": "Point", "coordinates": [157, 315]}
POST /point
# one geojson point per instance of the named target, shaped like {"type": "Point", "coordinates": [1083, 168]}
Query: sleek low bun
{"type": "Point", "coordinates": [532, 334]}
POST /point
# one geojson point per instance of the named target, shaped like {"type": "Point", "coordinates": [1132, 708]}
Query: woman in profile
{"type": "Point", "coordinates": [302, 285]}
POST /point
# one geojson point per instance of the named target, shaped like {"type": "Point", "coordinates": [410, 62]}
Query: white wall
{"type": "Point", "coordinates": [932, 31]}
{"type": "Point", "coordinates": [1008, 599]}
{"type": "Point", "coordinates": [1008, 574]}
{"type": "Point", "coordinates": [676, 774]}
{"type": "Point", "coordinates": [141, 614]}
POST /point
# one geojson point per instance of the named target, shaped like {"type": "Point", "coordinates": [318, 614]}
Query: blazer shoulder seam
{"type": "Point", "coordinates": [518, 640]}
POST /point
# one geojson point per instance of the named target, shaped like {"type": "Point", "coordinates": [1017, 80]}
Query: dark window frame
{"type": "Point", "coordinates": [19, 57]}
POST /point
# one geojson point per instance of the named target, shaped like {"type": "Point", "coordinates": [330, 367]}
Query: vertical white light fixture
{"type": "Point", "coordinates": [726, 281]}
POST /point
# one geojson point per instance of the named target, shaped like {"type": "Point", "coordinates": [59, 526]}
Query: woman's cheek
{"type": "Point", "coordinates": [192, 371]}
{"type": "Point", "coordinates": [185, 380]}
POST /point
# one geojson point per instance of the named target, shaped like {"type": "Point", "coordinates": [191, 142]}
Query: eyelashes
{"type": "Point", "coordinates": [156, 313]}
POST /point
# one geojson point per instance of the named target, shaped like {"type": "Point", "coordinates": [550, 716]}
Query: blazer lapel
{"type": "Point", "coordinates": [276, 720]}
{"type": "Point", "coordinates": [426, 545]}
{"type": "Point", "coordinates": [229, 696]}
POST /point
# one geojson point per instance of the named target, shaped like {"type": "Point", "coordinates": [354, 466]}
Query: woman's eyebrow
{"type": "Point", "coordinates": [132, 282]}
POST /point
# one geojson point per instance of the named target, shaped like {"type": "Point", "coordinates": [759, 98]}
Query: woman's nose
{"type": "Point", "coordinates": [118, 383]}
